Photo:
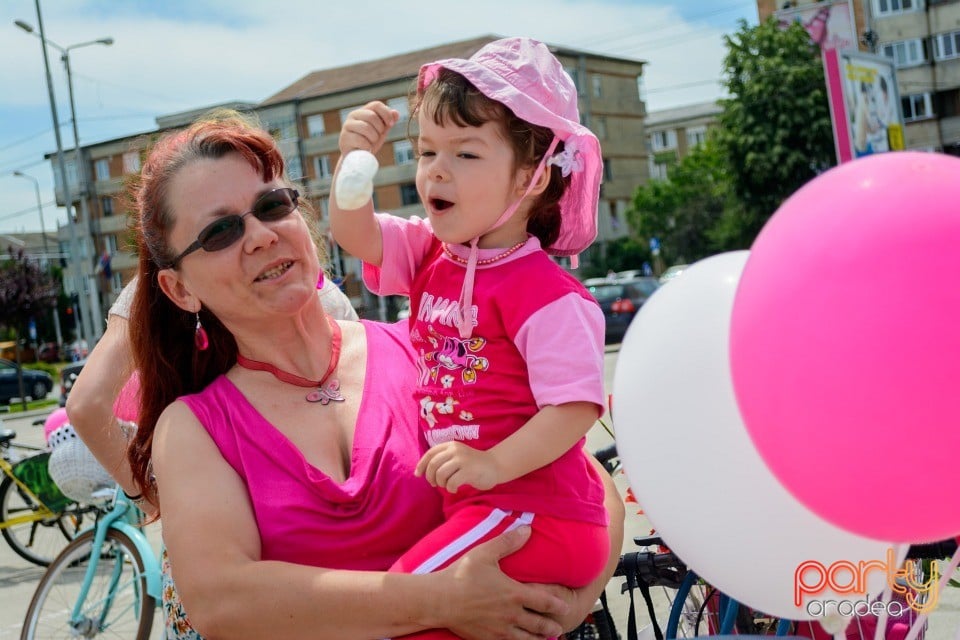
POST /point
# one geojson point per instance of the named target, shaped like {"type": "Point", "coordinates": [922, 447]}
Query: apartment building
{"type": "Point", "coordinates": [673, 133]}
{"type": "Point", "coordinates": [923, 39]}
{"type": "Point", "coordinates": [305, 118]}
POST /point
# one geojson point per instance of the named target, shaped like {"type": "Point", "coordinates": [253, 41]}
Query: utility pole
{"type": "Point", "coordinates": [62, 170]}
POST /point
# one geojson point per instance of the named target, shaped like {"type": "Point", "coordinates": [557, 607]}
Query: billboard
{"type": "Point", "coordinates": [864, 103]}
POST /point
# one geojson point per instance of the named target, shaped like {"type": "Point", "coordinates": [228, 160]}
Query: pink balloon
{"type": "Point", "coordinates": [53, 422]}
{"type": "Point", "coordinates": [845, 345]}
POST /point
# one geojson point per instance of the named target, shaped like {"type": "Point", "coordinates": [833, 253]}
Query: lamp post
{"type": "Point", "coordinates": [46, 250]}
{"type": "Point", "coordinates": [89, 308]}
{"type": "Point", "coordinates": [43, 228]}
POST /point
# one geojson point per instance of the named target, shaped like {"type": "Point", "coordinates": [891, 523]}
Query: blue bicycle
{"type": "Point", "coordinates": [105, 583]}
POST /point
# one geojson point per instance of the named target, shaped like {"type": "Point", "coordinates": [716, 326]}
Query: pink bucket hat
{"type": "Point", "coordinates": [522, 75]}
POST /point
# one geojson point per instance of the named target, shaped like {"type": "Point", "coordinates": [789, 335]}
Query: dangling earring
{"type": "Point", "coordinates": [200, 339]}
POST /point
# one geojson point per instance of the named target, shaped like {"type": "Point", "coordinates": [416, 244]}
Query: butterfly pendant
{"type": "Point", "coordinates": [326, 394]}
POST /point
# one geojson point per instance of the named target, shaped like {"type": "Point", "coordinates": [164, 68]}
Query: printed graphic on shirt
{"type": "Point", "coordinates": [451, 363]}
{"type": "Point", "coordinates": [451, 354]}
{"type": "Point", "coordinates": [443, 311]}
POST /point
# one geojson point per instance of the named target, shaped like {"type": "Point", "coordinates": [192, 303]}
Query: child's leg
{"type": "Point", "coordinates": [558, 552]}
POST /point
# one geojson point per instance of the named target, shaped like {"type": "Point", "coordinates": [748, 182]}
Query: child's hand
{"type": "Point", "coordinates": [453, 464]}
{"type": "Point", "coordinates": [366, 128]}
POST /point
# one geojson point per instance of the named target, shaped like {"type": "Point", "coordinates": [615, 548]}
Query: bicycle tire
{"type": "Point", "coordinates": [38, 541]}
{"type": "Point", "coordinates": [128, 615]}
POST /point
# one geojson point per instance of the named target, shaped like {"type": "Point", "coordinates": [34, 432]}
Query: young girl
{"type": "Point", "coordinates": [510, 346]}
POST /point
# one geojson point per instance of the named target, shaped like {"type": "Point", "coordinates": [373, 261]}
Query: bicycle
{"type": "Point", "coordinates": [106, 582]}
{"type": "Point", "coordinates": [36, 519]}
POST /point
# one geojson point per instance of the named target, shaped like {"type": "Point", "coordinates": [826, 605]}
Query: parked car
{"type": "Point", "coordinates": [620, 302]}
{"type": "Point", "coordinates": [672, 272]}
{"type": "Point", "coordinates": [49, 352]}
{"type": "Point", "coordinates": [68, 376]}
{"type": "Point", "coordinates": [36, 384]}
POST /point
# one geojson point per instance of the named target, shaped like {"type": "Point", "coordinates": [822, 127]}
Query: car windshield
{"type": "Point", "coordinates": [605, 292]}
{"type": "Point", "coordinates": [646, 287]}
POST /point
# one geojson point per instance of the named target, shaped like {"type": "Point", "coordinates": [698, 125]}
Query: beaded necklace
{"type": "Point", "coordinates": [450, 254]}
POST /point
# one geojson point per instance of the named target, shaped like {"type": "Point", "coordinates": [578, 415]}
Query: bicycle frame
{"type": "Point", "coordinates": [122, 518]}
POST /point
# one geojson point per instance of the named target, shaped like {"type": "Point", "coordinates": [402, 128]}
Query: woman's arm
{"type": "Point", "coordinates": [229, 591]}
{"type": "Point", "coordinates": [90, 404]}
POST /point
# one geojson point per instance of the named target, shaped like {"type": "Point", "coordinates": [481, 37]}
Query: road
{"type": "Point", "coordinates": [18, 578]}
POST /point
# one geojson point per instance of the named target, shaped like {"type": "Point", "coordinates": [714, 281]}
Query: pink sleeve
{"type": "Point", "coordinates": [563, 346]}
{"type": "Point", "coordinates": [405, 243]}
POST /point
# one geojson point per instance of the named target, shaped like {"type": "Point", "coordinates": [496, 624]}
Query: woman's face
{"type": "Point", "coordinates": [272, 269]}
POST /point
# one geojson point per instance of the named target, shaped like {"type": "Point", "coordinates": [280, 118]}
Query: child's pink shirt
{"type": "Point", "coordinates": [537, 341]}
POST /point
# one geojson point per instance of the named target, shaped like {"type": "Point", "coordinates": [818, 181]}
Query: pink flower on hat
{"type": "Point", "coordinates": [569, 159]}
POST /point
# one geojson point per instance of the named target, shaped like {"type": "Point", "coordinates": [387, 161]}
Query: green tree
{"type": "Point", "coordinates": [775, 130]}
{"type": "Point", "coordinates": [26, 291]}
{"type": "Point", "coordinates": [683, 210]}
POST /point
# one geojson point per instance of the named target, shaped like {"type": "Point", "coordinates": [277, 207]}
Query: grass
{"type": "Point", "coordinates": [17, 407]}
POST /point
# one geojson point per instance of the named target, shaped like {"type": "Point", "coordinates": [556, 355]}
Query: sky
{"type": "Point", "coordinates": [179, 55]}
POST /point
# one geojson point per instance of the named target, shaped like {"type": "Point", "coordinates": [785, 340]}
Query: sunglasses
{"type": "Point", "coordinates": [226, 230]}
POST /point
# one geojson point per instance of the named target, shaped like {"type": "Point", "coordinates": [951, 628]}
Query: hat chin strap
{"type": "Point", "coordinates": [465, 321]}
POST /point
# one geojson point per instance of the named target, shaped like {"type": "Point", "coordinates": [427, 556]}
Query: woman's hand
{"type": "Point", "coordinates": [483, 604]}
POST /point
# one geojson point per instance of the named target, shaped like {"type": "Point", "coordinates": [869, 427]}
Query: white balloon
{"type": "Point", "coordinates": [692, 465]}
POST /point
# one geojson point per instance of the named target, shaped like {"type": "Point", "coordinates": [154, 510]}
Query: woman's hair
{"type": "Point", "coordinates": [161, 333]}
{"type": "Point", "coordinates": [451, 97]}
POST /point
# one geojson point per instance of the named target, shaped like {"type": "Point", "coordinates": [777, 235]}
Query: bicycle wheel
{"type": "Point", "coordinates": [115, 606]}
{"type": "Point", "coordinates": [38, 541]}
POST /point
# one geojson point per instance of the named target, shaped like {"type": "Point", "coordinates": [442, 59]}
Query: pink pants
{"type": "Point", "coordinates": [567, 552]}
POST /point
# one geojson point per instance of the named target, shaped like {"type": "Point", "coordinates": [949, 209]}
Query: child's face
{"type": "Point", "coordinates": [466, 180]}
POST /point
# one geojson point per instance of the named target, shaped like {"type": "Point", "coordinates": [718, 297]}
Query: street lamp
{"type": "Point", "coordinates": [46, 251]}
{"type": "Point", "coordinates": [43, 228]}
{"type": "Point", "coordinates": [91, 316]}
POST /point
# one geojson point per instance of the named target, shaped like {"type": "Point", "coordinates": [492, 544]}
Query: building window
{"type": "Point", "coordinates": [408, 194]}
{"type": "Point", "coordinates": [597, 81]}
{"type": "Point", "coordinates": [321, 166]}
{"type": "Point", "coordinates": [946, 45]}
{"type": "Point", "coordinates": [70, 168]}
{"type": "Point", "coordinates": [315, 125]}
{"type": "Point", "coordinates": [916, 106]}
{"type": "Point", "coordinates": [905, 53]}
{"type": "Point", "coordinates": [892, 7]}
{"type": "Point", "coordinates": [696, 136]}
{"type": "Point", "coordinates": [663, 140]}
{"type": "Point", "coordinates": [403, 152]}
{"type": "Point", "coordinates": [325, 207]}
{"type": "Point", "coordinates": [600, 127]}
{"type": "Point", "coordinates": [658, 171]}
{"type": "Point", "coordinates": [106, 206]}
{"type": "Point", "coordinates": [102, 169]}
{"type": "Point", "coordinates": [607, 169]}
{"type": "Point", "coordinates": [131, 162]}
{"type": "Point", "coordinates": [110, 244]}
{"type": "Point", "coordinates": [402, 105]}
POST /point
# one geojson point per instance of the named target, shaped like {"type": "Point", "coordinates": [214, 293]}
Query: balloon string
{"type": "Point", "coordinates": [944, 579]}
{"type": "Point", "coordinates": [881, 630]}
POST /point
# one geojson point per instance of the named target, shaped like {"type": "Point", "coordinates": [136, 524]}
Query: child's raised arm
{"type": "Point", "coordinates": [356, 229]}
